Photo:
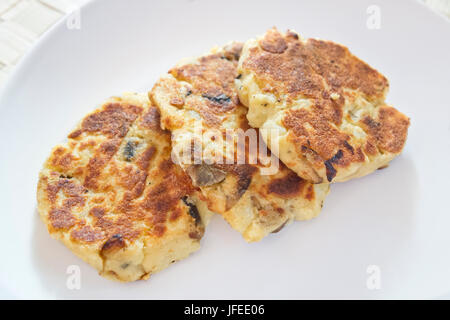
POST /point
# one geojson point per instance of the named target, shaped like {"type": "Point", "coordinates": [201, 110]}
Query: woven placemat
{"type": "Point", "coordinates": [22, 22]}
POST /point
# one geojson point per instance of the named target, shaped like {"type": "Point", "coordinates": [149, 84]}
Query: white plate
{"type": "Point", "coordinates": [396, 219]}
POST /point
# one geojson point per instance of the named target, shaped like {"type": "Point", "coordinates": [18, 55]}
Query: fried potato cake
{"type": "Point", "coordinates": [326, 104]}
{"type": "Point", "coordinates": [197, 97]}
{"type": "Point", "coordinates": [113, 196]}
{"type": "Point", "coordinates": [271, 202]}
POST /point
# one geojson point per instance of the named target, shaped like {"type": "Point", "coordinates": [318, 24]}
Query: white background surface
{"type": "Point", "coordinates": [22, 22]}
{"type": "Point", "coordinates": [397, 218]}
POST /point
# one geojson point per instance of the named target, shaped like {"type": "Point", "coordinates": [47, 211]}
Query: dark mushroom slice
{"type": "Point", "coordinates": [203, 175]}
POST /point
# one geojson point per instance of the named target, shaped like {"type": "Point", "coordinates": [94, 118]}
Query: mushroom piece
{"type": "Point", "coordinates": [203, 175]}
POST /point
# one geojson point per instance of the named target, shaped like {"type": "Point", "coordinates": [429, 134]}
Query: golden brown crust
{"type": "Point", "coordinates": [208, 86]}
{"type": "Point", "coordinates": [306, 68]}
{"type": "Point", "coordinates": [324, 144]}
{"type": "Point", "coordinates": [333, 81]}
{"type": "Point", "coordinates": [254, 204]}
{"type": "Point", "coordinates": [289, 186]}
{"type": "Point", "coordinates": [87, 234]}
{"type": "Point", "coordinates": [113, 120]}
{"type": "Point", "coordinates": [159, 198]}
{"type": "Point", "coordinates": [389, 129]}
{"type": "Point", "coordinates": [118, 185]}
{"type": "Point", "coordinates": [151, 120]}
{"type": "Point", "coordinates": [273, 42]}
{"type": "Point", "coordinates": [212, 78]}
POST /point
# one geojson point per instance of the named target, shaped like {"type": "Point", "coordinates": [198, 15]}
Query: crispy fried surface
{"type": "Point", "coordinates": [114, 197]}
{"type": "Point", "coordinates": [327, 104]}
{"type": "Point", "coordinates": [270, 202]}
{"type": "Point", "coordinates": [200, 93]}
